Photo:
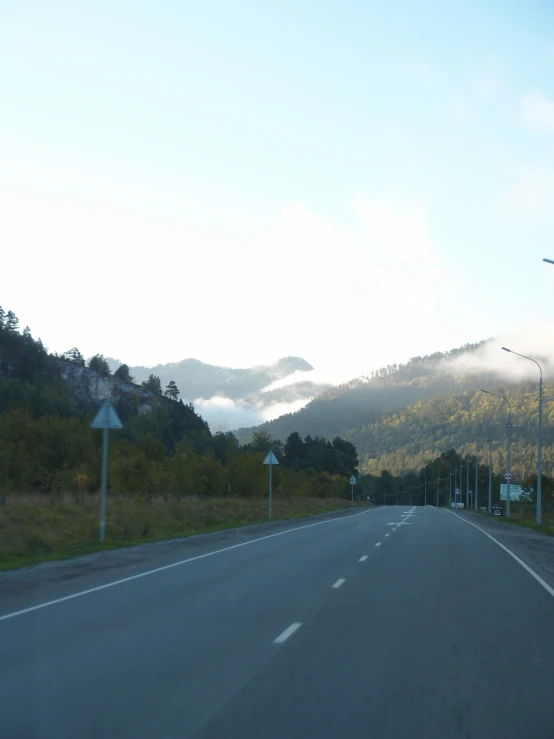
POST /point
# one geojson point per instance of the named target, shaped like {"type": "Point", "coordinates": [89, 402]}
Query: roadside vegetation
{"type": "Point", "coordinates": [168, 475]}
{"type": "Point", "coordinates": [34, 528]}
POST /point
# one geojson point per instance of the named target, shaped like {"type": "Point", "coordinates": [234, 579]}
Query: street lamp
{"type": "Point", "coordinates": [538, 515]}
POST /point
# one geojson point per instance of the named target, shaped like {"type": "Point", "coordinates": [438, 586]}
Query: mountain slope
{"type": "Point", "coordinates": [196, 379]}
{"type": "Point", "coordinates": [360, 401]}
{"type": "Point", "coordinates": [402, 415]}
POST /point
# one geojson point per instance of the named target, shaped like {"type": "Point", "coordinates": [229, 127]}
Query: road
{"type": "Point", "coordinates": [391, 622]}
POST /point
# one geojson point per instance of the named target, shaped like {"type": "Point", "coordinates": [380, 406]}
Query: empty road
{"type": "Point", "coordinates": [394, 622]}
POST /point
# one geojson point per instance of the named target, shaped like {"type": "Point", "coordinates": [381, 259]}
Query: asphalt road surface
{"type": "Point", "coordinates": [393, 622]}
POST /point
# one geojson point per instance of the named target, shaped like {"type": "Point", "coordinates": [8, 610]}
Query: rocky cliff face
{"type": "Point", "coordinates": [90, 389]}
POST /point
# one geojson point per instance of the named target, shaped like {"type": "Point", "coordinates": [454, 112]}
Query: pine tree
{"type": "Point", "coordinates": [171, 390]}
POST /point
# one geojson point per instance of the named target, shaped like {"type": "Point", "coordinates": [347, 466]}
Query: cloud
{"type": "Point", "coordinates": [538, 111]}
{"type": "Point", "coordinates": [536, 342]}
{"type": "Point", "coordinates": [531, 199]}
{"type": "Point", "coordinates": [298, 286]}
{"type": "Point", "coordinates": [224, 414]}
{"type": "Point", "coordinates": [396, 227]}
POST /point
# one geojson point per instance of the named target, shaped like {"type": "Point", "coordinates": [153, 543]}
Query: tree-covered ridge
{"type": "Point", "coordinates": [47, 445]}
{"type": "Point", "coordinates": [400, 440]}
{"type": "Point", "coordinates": [360, 401]}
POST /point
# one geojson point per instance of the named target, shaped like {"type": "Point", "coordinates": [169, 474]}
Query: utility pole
{"type": "Point", "coordinates": [490, 475]}
{"type": "Point", "coordinates": [461, 478]}
{"type": "Point", "coordinates": [467, 482]}
{"type": "Point", "coordinates": [509, 461]}
{"type": "Point", "coordinates": [476, 478]}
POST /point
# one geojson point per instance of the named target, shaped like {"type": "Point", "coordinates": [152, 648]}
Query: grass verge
{"type": "Point", "coordinates": [37, 528]}
{"type": "Point", "coordinates": [525, 519]}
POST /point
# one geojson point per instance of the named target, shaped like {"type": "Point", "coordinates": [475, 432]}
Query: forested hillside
{"type": "Point", "coordinates": [401, 414]}
{"type": "Point", "coordinates": [360, 401]}
{"type": "Point", "coordinates": [47, 445]}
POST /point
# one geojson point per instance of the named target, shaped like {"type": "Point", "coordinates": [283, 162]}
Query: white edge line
{"type": "Point", "coordinates": [175, 564]}
{"type": "Point", "coordinates": [363, 559]}
{"type": "Point", "coordinates": [287, 632]}
{"type": "Point", "coordinates": [538, 578]}
{"type": "Point", "coordinates": [339, 582]}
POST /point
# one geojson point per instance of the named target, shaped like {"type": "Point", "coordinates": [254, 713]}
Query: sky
{"type": "Point", "coordinates": [354, 183]}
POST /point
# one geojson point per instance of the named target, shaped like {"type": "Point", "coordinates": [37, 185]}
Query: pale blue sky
{"type": "Point", "coordinates": [351, 182]}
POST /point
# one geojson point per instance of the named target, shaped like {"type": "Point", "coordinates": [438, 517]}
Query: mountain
{"type": "Point", "coordinates": [224, 394]}
{"type": "Point", "coordinates": [164, 448]}
{"type": "Point", "coordinates": [403, 414]}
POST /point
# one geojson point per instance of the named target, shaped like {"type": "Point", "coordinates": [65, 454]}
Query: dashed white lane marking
{"type": "Point", "coordinates": [394, 529]}
{"type": "Point", "coordinates": [339, 582]}
{"type": "Point", "coordinates": [287, 632]}
{"type": "Point", "coordinates": [387, 534]}
{"type": "Point", "coordinates": [363, 559]}
{"type": "Point", "coordinates": [177, 564]}
{"type": "Point", "coordinates": [538, 578]}
{"type": "Point", "coordinates": [378, 544]}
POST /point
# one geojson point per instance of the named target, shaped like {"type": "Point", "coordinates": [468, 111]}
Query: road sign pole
{"type": "Point", "coordinates": [105, 419]}
{"type": "Point", "coordinates": [352, 496]}
{"type": "Point", "coordinates": [270, 459]}
{"type": "Point", "coordinates": [104, 482]}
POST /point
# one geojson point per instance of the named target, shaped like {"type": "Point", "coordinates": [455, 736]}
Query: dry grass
{"type": "Point", "coordinates": [526, 518]}
{"type": "Point", "coordinates": [35, 528]}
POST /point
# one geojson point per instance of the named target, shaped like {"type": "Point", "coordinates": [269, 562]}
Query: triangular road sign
{"type": "Point", "coordinates": [106, 418]}
{"type": "Point", "coordinates": [352, 480]}
{"type": "Point", "coordinates": [271, 459]}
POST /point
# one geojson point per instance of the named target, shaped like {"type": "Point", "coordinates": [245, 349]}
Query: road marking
{"type": "Point", "coordinates": [287, 632]}
{"type": "Point", "coordinates": [538, 578]}
{"type": "Point", "coordinates": [339, 582]}
{"type": "Point", "coordinates": [394, 529]}
{"type": "Point", "coordinates": [378, 544]}
{"type": "Point", "coordinates": [363, 559]}
{"type": "Point", "coordinates": [176, 564]}
{"type": "Point", "coordinates": [387, 534]}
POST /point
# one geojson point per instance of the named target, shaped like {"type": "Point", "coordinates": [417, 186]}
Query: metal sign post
{"type": "Point", "coordinates": [271, 459]}
{"type": "Point", "coordinates": [105, 419]}
{"type": "Point", "coordinates": [352, 482]}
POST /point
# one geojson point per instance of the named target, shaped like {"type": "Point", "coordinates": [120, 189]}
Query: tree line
{"type": "Point", "coordinates": [436, 480]}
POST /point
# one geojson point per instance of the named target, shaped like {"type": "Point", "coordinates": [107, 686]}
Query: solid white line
{"type": "Point", "coordinates": [363, 559]}
{"type": "Point", "coordinates": [538, 578]}
{"type": "Point", "coordinates": [378, 544]}
{"type": "Point", "coordinates": [287, 632]}
{"type": "Point", "coordinates": [176, 564]}
{"type": "Point", "coordinates": [339, 582]}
